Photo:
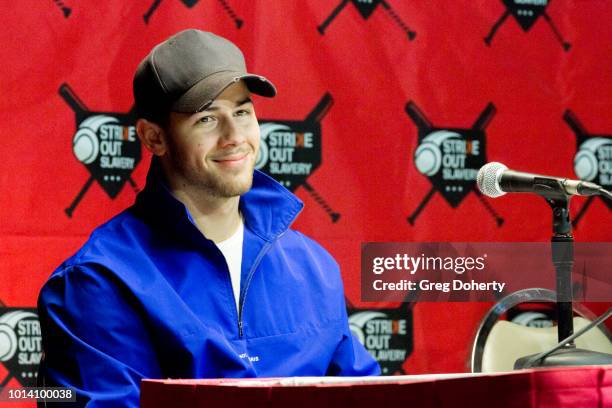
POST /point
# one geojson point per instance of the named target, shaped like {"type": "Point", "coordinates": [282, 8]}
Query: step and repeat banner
{"type": "Point", "coordinates": [386, 109]}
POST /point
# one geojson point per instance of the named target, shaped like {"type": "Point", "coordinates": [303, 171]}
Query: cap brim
{"type": "Point", "coordinates": [204, 92]}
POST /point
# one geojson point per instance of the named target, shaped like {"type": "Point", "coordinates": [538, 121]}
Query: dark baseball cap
{"type": "Point", "coordinates": [188, 71]}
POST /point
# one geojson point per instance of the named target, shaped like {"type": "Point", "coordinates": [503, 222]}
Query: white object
{"type": "Point", "coordinates": [231, 249]}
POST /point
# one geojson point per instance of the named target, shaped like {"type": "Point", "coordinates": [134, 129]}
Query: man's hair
{"type": "Point", "coordinates": [162, 119]}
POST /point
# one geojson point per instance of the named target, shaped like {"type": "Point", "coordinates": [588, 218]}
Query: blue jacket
{"type": "Point", "coordinates": [148, 296]}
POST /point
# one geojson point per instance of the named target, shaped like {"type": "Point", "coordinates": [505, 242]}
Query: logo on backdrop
{"type": "Point", "coordinates": [450, 158]}
{"type": "Point", "coordinates": [366, 8]}
{"type": "Point", "coordinates": [593, 160]}
{"type": "Point", "coordinates": [20, 344]}
{"type": "Point", "coordinates": [526, 13]}
{"type": "Point", "coordinates": [106, 144]}
{"type": "Point", "coordinates": [290, 151]}
{"type": "Point", "coordinates": [65, 9]}
{"type": "Point", "coordinates": [387, 334]}
{"type": "Point", "coordinates": [190, 3]}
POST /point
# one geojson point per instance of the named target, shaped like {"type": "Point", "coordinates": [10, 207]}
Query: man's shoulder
{"type": "Point", "coordinates": [111, 241]}
{"type": "Point", "coordinates": [294, 240]}
{"type": "Point", "coordinates": [311, 267]}
{"type": "Point", "coordinates": [301, 239]}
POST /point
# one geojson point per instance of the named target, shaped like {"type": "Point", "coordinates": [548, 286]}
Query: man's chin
{"type": "Point", "coordinates": [232, 186]}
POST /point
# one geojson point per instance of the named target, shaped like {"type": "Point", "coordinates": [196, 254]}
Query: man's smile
{"type": "Point", "coordinates": [232, 159]}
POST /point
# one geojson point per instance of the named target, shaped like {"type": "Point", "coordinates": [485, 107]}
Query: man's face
{"type": "Point", "coordinates": [214, 150]}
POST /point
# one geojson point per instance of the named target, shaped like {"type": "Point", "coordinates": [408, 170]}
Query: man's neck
{"type": "Point", "coordinates": [216, 217]}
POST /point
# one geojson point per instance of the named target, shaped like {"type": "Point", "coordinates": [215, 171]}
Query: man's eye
{"type": "Point", "coordinates": [243, 112]}
{"type": "Point", "coordinates": [206, 119]}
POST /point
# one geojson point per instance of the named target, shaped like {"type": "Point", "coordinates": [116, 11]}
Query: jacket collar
{"type": "Point", "coordinates": [268, 208]}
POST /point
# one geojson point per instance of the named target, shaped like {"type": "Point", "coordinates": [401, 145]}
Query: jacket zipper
{"type": "Point", "coordinates": [261, 254]}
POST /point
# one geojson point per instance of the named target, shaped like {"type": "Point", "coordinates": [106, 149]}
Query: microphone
{"type": "Point", "coordinates": [495, 179]}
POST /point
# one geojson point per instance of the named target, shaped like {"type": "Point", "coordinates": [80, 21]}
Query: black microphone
{"type": "Point", "coordinates": [495, 179]}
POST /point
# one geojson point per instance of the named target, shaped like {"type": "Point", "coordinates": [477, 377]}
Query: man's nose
{"type": "Point", "coordinates": [231, 132]}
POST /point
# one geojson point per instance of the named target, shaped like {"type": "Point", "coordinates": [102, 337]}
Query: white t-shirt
{"type": "Point", "coordinates": [231, 249]}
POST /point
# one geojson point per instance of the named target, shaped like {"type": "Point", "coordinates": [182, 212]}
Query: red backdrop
{"type": "Point", "coordinates": [541, 67]}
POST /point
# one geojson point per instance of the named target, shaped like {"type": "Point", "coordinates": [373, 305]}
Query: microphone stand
{"type": "Point", "coordinates": [562, 245]}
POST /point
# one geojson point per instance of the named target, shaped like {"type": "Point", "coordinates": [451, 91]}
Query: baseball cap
{"type": "Point", "coordinates": [188, 71]}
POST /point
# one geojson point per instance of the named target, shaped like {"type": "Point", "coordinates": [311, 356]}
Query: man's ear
{"type": "Point", "coordinates": [152, 136]}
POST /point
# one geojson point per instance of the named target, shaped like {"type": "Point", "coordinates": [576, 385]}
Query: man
{"type": "Point", "coordinates": [202, 276]}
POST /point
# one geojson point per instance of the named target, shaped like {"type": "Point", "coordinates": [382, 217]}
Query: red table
{"type": "Point", "coordinates": [542, 388]}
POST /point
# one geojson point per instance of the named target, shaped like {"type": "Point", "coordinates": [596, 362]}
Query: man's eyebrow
{"type": "Point", "coordinates": [239, 103]}
{"type": "Point", "coordinates": [245, 100]}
